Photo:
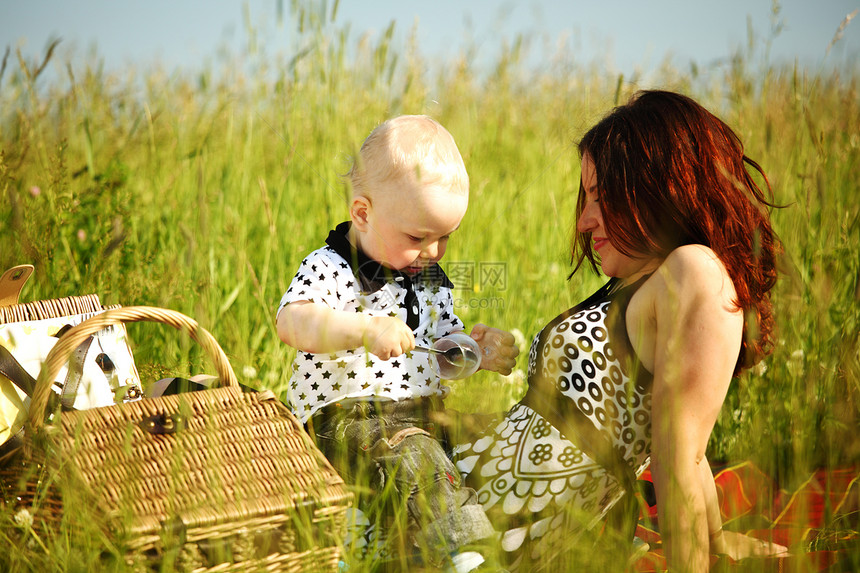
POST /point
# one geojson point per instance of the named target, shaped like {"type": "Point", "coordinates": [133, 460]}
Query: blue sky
{"type": "Point", "coordinates": [620, 35]}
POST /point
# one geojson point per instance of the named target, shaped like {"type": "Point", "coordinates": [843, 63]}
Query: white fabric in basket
{"type": "Point", "coordinates": [29, 342]}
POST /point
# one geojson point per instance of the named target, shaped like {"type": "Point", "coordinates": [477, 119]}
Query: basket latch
{"type": "Point", "coordinates": [164, 423]}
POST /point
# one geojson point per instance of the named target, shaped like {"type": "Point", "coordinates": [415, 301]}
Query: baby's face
{"type": "Point", "coordinates": [409, 227]}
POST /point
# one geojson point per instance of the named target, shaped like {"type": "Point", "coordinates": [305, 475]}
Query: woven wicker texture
{"type": "Point", "coordinates": [217, 464]}
{"type": "Point", "coordinates": [53, 308]}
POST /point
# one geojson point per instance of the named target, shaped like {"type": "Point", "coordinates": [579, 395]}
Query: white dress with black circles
{"type": "Point", "coordinates": [561, 457]}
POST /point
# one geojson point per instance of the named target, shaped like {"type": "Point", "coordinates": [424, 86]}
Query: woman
{"type": "Point", "coordinates": [637, 373]}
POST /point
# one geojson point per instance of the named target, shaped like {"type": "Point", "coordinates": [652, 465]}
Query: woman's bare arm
{"type": "Point", "coordinates": [697, 336]}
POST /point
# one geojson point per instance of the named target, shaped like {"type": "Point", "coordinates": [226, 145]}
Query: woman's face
{"type": "Point", "coordinates": [613, 263]}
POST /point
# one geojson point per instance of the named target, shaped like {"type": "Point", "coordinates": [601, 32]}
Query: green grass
{"type": "Point", "coordinates": [202, 191]}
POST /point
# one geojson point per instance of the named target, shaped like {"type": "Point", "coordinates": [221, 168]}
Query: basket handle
{"type": "Point", "coordinates": [62, 351]}
{"type": "Point", "coordinates": [12, 282]}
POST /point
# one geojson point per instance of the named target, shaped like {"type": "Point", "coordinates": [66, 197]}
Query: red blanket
{"type": "Point", "coordinates": [818, 521]}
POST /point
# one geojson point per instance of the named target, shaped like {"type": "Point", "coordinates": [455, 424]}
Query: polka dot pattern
{"type": "Point", "coordinates": [525, 469]}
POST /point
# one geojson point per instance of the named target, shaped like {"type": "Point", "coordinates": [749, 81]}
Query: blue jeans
{"type": "Point", "coordinates": [395, 445]}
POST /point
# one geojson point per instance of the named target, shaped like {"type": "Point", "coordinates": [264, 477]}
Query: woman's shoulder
{"type": "Point", "coordinates": [691, 280]}
{"type": "Point", "coordinates": [690, 271]}
{"type": "Point", "coordinates": [690, 289]}
{"type": "Point", "coordinates": [693, 259]}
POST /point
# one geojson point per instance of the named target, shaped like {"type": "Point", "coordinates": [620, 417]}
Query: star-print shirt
{"type": "Point", "coordinates": [344, 278]}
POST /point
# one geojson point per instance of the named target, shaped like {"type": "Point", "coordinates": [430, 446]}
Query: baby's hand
{"type": "Point", "coordinates": [498, 349]}
{"type": "Point", "coordinates": [386, 337]}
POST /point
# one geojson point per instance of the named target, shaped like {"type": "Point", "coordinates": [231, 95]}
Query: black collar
{"type": "Point", "coordinates": [372, 275]}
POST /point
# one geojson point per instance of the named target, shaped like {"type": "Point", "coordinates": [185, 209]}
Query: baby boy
{"type": "Point", "coordinates": [357, 308]}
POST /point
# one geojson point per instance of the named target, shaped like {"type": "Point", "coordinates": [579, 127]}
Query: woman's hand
{"type": "Point", "coordinates": [498, 349]}
{"type": "Point", "coordinates": [740, 546]}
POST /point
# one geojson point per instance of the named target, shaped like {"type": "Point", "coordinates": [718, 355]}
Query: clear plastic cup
{"type": "Point", "coordinates": [459, 363]}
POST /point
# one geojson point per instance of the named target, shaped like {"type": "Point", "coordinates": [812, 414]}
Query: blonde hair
{"type": "Point", "coordinates": [411, 148]}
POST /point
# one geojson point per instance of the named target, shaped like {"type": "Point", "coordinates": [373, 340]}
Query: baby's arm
{"type": "Point", "coordinates": [498, 349]}
{"type": "Point", "coordinates": [315, 327]}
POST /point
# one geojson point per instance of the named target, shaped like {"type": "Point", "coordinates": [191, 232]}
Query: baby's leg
{"type": "Point", "coordinates": [444, 514]}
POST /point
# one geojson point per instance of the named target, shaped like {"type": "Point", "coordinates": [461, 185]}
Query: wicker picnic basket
{"type": "Point", "coordinates": [213, 480]}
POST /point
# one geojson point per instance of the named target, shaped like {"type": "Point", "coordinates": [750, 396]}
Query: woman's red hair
{"type": "Point", "coordinates": [670, 173]}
